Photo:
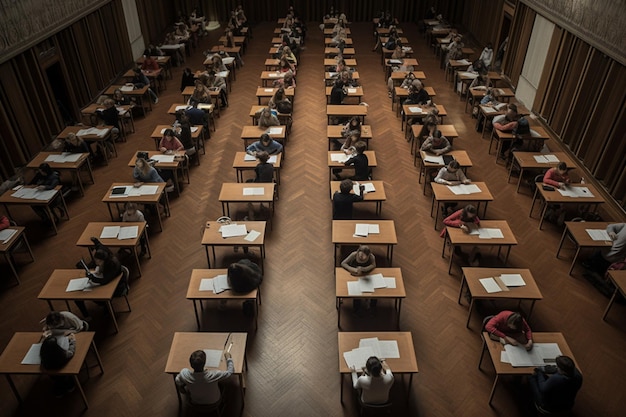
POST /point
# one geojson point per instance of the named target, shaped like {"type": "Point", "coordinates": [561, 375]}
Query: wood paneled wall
{"type": "Point", "coordinates": [483, 19]}
{"type": "Point", "coordinates": [87, 55]}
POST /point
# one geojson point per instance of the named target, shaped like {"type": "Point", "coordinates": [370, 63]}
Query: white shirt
{"type": "Point", "coordinates": [374, 390]}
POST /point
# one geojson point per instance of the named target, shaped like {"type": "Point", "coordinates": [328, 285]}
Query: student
{"type": "Point", "coordinates": [217, 64]}
{"type": "Point", "coordinates": [133, 214]}
{"type": "Point", "coordinates": [437, 144]}
{"type": "Point", "coordinates": [264, 170]}
{"type": "Point", "coordinates": [344, 199]}
{"type": "Point", "coordinates": [75, 144]}
{"type": "Point", "coordinates": [266, 144]}
{"type": "Point", "coordinates": [60, 323]}
{"type": "Point", "coordinates": [375, 382]}
{"type": "Point", "coordinates": [267, 118]}
{"type": "Point", "coordinates": [140, 81]}
{"type": "Point", "coordinates": [120, 99]}
{"type": "Point", "coordinates": [417, 94]}
{"type": "Point", "coordinates": [143, 172]}
{"type": "Point", "coordinates": [200, 94]}
{"type": "Point", "coordinates": [360, 163]}
{"type": "Point", "coordinates": [5, 223]}
{"type": "Point", "coordinates": [557, 176]}
{"type": "Point", "coordinates": [359, 263]}
{"type": "Point", "coordinates": [110, 117]}
{"type": "Point", "coordinates": [510, 328]}
{"type": "Point", "coordinates": [486, 56]}
{"type": "Point", "coordinates": [603, 258]}
{"type": "Point", "coordinates": [169, 142]}
{"type": "Point", "coordinates": [506, 123]}
{"type": "Point", "coordinates": [244, 276]}
{"type": "Point", "coordinates": [556, 392]}
{"type": "Point", "coordinates": [289, 55]}
{"type": "Point", "coordinates": [55, 353]}
{"type": "Point", "coordinates": [149, 63]}
{"type": "Point", "coordinates": [45, 179]}
{"type": "Point", "coordinates": [188, 79]}
{"type": "Point", "coordinates": [200, 385]}
{"type": "Point", "coordinates": [352, 128]}
{"type": "Point", "coordinates": [216, 82]}
{"type": "Point", "coordinates": [452, 175]}
{"type": "Point", "coordinates": [465, 219]}
{"type": "Point", "coordinates": [278, 97]}
{"type": "Point", "coordinates": [337, 92]}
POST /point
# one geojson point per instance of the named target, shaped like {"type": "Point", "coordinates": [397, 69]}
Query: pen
{"type": "Point", "coordinates": [229, 347]}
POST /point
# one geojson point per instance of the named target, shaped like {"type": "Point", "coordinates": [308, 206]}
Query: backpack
{"type": "Point", "coordinates": [523, 127]}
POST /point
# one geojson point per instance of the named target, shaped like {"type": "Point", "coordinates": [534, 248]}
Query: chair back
{"type": "Point", "coordinates": [377, 409]}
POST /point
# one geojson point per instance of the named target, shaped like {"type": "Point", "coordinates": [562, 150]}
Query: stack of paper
{"type": "Point", "coordinates": [434, 159]}
{"type": "Point", "coordinates": [92, 131]}
{"type": "Point", "coordinates": [339, 157]}
{"type": "Point", "coordinates": [217, 285]}
{"type": "Point", "coordinates": [163, 158]}
{"type": "Point", "coordinates": [352, 90]}
{"type": "Point", "coordinates": [464, 61]}
{"type": "Point", "coordinates": [468, 74]}
{"type": "Point", "coordinates": [233, 230]}
{"type": "Point", "coordinates": [576, 192]}
{"type": "Point", "coordinates": [252, 235]}
{"type": "Point", "coordinates": [127, 88]}
{"type": "Point", "coordinates": [64, 157]}
{"type": "Point", "coordinates": [357, 358]}
{"type": "Point", "coordinates": [370, 283]}
{"type": "Point", "coordinates": [546, 159]}
{"type": "Point", "coordinates": [413, 109]}
{"type": "Point", "coordinates": [254, 191]}
{"type": "Point", "coordinates": [363, 229]}
{"type": "Point", "coordinates": [6, 235]}
{"type": "Point", "coordinates": [178, 108]}
{"type": "Point", "coordinates": [598, 234]}
{"type": "Point", "coordinates": [383, 349]}
{"type": "Point", "coordinates": [79, 284]}
{"type": "Point", "coordinates": [119, 232]}
{"type": "Point", "coordinates": [541, 354]}
{"type": "Point", "coordinates": [213, 358]}
{"type": "Point", "coordinates": [464, 189]}
{"type": "Point", "coordinates": [205, 106]}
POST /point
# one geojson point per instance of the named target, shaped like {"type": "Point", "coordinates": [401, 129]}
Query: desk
{"type": "Point", "coordinates": [477, 94]}
{"type": "Point", "coordinates": [346, 110]}
{"type": "Point", "coordinates": [343, 234]}
{"type": "Point", "coordinates": [7, 248]}
{"type": "Point", "coordinates": [526, 161]}
{"type": "Point", "coordinates": [212, 237]}
{"type": "Point", "coordinates": [241, 164]}
{"type": "Point", "coordinates": [125, 114]}
{"type": "Point", "coordinates": [154, 76]}
{"type": "Point", "coordinates": [398, 76]}
{"type": "Point", "coordinates": [146, 200]}
{"type": "Point", "coordinates": [378, 196]}
{"type": "Point", "coordinates": [197, 134]}
{"type": "Point", "coordinates": [137, 93]}
{"type": "Point", "coordinates": [534, 140]}
{"type": "Point", "coordinates": [253, 133]}
{"type": "Point", "coordinates": [457, 237]}
{"type": "Point", "coordinates": [399, 94]}
{"type": "Point", "coordinates": [329, 41]}
{"type": "Point", "coordinates": [416, 111]}
{"type": "Point", "coordinates": [397, 294]}
{"type": "Point", "coordinates": [471, 277]}
{"type": "Point", "coordinates": [453, 66]}
{"type": "Point", "coordinates": [371, 162]}
{"type": "Point", "coordinates": [73, 167]}
{"type": "Point", "coordinates": [618, 278]}
{"type": "Point", "coordinates": [283, 118]}
{"type": "Point", "coordinates": [94, 229]}
{"type": "Point", "coordinates": [353, 92]}
{"type": "Point", "coordinates": [267, 93]}
{"type": "Point", "coordinates": [329, 32]}
{"type": "Point", "coordinates": [334, 132]}
{"type": "Point", "coordinates": [488, 113]}
{"type": "Point", "coordinates": [178, 163]}
{"type": "Point", "coordinates": [268, 77]}
{"type": "Point", "coordinates": [501, 368]}
{"type": "Point", "coordinates": [441, 193]}
{"type": "Point", "coordinates": [54, 289]}
{"type": "Point", "coordinates": [426, 166]}
{"type": "Point", "coordinates": [577, 232]}
{"type": "Point", "coordinates": [209, 108]}
{"type": "Point", "coordinates": [332, 62]}
{"type": "Point", "coordinates": [194, 294]}
{"type": "Point", "coordinates": [449, 131]}
{"type": "Point", "coordinates": [101, 141]}
{"type": "Point", "coordinates": [20, 343]}
{"type": "Point", "coordinates": [405, 364]}
{"type": "Point", "coordinates": [232, 192]}
{"type": "Point", "coordinates": [7, 199]}
{"type": "Point", "coordinates": [405, 62]}
{"type": "Point", "coordinates": [555, 197]}
{"type": "Point", "coordinates": [184, 344]}
{"type": "Point", "coordinates": [331, 76]}
{"type": "Point", "coordinates": [164, 62]}
{"type": "Point", "coordinates": [331, 52]}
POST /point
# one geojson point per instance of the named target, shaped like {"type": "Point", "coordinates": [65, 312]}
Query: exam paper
{"type": "Point", "coordinates": [251, 237]}
{"type": "Point", "coordinates": [490, 285]}
{"type": "Point", "coordinates": [253, 191]}
{"type": "Point", "coordinates": [233, 230]}
{"type": "Point", "coordinates": [512, 280]}
{"type": "Point", "coordinates": [598, 234]}
{"type": "Point", "coordinates": [109, 232]}
{"type": "Point", "coordinates": [213, 358]}
{"type": "Point", "coordinates": [32, 356]}
{"type": "Point", "coordinates": [77, 284]}
{"type": "Point", "coordinates": [6, 235]}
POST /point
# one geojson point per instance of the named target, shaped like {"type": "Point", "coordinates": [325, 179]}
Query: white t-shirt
{"type": "Point", "coordinates": [374, 390]}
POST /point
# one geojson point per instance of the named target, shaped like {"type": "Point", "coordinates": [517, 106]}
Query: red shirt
{"type": "Point", "coordinates": [455, 220]}
{"type": "Point", "coordinates": [552, 177]}
{"type": "Point", "coordinates": [498, 327]}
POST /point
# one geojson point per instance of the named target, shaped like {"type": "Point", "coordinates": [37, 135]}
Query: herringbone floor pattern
{"type": "Point", "coordinates": [293, 356]}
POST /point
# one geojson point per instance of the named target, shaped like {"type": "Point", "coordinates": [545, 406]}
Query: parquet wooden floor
{"type": "Point", "coordinates": [293, 356]}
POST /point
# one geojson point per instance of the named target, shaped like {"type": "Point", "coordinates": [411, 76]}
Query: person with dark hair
{"type": "Point", "coordinates": [375, 382]}
{"type": "Point", "coordinates": [417, 94]}
{"type": "Point", "coordinates": [244, 276]}
{"type": "Point", "coordinates": [267, 144]}
{"type": "Point", "coordinates": [169, 142]}
{"type": "Point", "coordinates": [59, 323]}
{"type": "Point", "coordinates": [436, 143]}
{"type": "Point", "coordinates": [509, 327]}
{"type": "Point", "coordinates": [264, 170]}
{"type": "Point", "coordinates": [149, 63]}
{"type": "Point", "coordinates": [465, 219]}
{"type": "Point", "coordinates": [360, 163]}
{"type": "Point", "coordinates": [344, 199]}
{"type": "Point", "coordinates": [140, 81]}
{"type": "Point", "coordinates": [359, 263]}
{"type": "Point", "coordinates": [45, 179]}
{"type": "Point", "coordinates": [200, 385]}
{"type": "Point", "coordinates": [110, 117]}
{"type": "Point", "coordinates": [56, 351]}
{"type": "Point", "coordinates": [337, 92]}
{"type": "Point", "coordinates": [451, 175]}
{"type": "Point", "coordinates": [187, 79]}
{"type": "Point", "coordinates": [556, 392]}
{"type": "Point", "coordinates": [106, 267]}
{"type": "Point", "coordinates": [557, 176]}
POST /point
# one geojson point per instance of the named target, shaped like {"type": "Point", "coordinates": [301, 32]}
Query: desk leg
{"type": "Point", "coordinates": [463, 280]}
{"type": "Point", "coordinates": [571, 268]}
{"type": "Point", "coordinates": [398, 310]}
{"type": "Point", "coordinates": [335, 254]}
{"type": "Point", "coordinates": [9, 260]}
{"type": "Point", "coordinates": [110, 212]}
{"type": "Point", "coordinates": [532, 205]}
{"type": "Point", "coordinates": [340, 383]}
{"type": "Point", "coordinates": [469, 313]}
{"type": "Point", "coordinates": [16, 393]}
{"type": "Point", "coordinates": [521, 175]}
{"type": "Point", "coordinates": [543, 213]}
{"type": "Point", "coordinates": [338, 302]}
{"type": "Point", "coordinates": [208, 259]}
{"type": "Point", "coordinates": [493, 389]}
{"type": "Point", "coordinates": [508, 251]}
{"type": "Point", "coordinates": [408, 391]}
{"type": "Point", "coordinates": [51, 217]}
{"type": "Point", "coordinates": [608, 307]}
{"type": "Point", "coordinates": [532, 306]}
{"type": "Point", "coordinates": [561, 243]}
{"type": "Point", "coordinates": [110, 306]}
{"type": "Point", "coordinates": [451, 256]}
{"type": "Point", "coordinates": [390, 254]}
{"type": "Point", "coordinates": [195, 310]}
{"type": "Point", "coordinates": [82, 392]}
{"type": "Point", "coordinates": [214, 257]}
{"type": "Point", "coordinates": [485, 209]}
{"type": "Point", "coordinates": [137, 260]}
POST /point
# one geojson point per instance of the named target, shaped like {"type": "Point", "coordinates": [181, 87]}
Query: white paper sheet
{"type": "Point", "coordinates": [128, 232]}
{"type": "Point", "coordinates": [356, 358]}
{"type": "Point", "coordinates": [512, 280]}
{"type": "Point", "coordinates": [163, 158]}
{"type": "Point", "coordinates": [598, 234]}
{"type": "Point", "coordinates": [414, 109]}
{"type": "Point", "coordinates": [490, 285]}
{"type": "Point", "coordinates": [148, 189]}
{"type": "Point", "coordinates": [252, 235]}
{"type": "Point", "coordinates": [390, 282]}
{"type": "Point", "coordinates": [206, 284]}
{"type": "Point", "coordinates": [233, 230]}
{"type": "Point", "coordinates": [377, 280]}
{"type": "Point", "coordinates": [366, 284]}
{"type": "Point", "coordinates": [434, 159]}
{"type": "Point", "coordinates": [352, 90]}
{"type": "Point", "coordinates": [490, 233]}
{"type": "Point", "coordinates": [220, 284]}
{"type": "Point", "coordinates": [388, 349]}
{"type": "Point", "coordinates": [213, 358]}
{"type": "Point", "coordinates": [354, 288]}
{"type": "Point", "coordinates": [373, 229]}
{"type": "Point", "coordinates": [338, 157]}
{"type": "Point", "coordinates": [253, 191]}
{"type": "Point", "coordinates": [6, 235]}
{"type": "Point", "coordinates": [361, 229]}
{"type": "Point", "coordinates": [272, 159]}
{"type": "Point", "coordinates": [489, 109]}
{"type": "Point", "coordinates": [45, 195]}
{"type": "Point", "coordinates": [77, 284]}
{"type": "Point", "coordinates": [546, 159]}
{"type": "Point", "coordinates": [539, 355]}
{"type": "Point", "coordinates": [461, 189]}
{"type": "Point", "coordinates": [576, 192]}
{"type": "Point", "coordinates": [275, 130]}
{"type": "Point", "coordinates": [32, 356]}
{"type": "Point", "coordinates": [109, 232]}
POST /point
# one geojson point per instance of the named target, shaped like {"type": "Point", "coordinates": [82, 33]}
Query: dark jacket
{"type": "Point", "coordinates": [245, 279]}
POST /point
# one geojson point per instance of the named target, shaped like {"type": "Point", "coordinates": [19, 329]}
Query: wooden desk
{"type": "Point", "coordinates": [398, 76]}
{"type": "Point", "coordinates": [618, 278]}
{"type": "Point", "coordinates": [184, 344]}
{"type": "Point", "coordinates": [526, 161]}
{"type": "Point", "coordinates": [454, 65]}
{"type": "Point", "coordinates": [534, 140]}
{"type": "Point", "coordinates": [331, 62]}
{"type": "Point", "coordinates": [20, 343]}
{"type": "Point", "coordinates": [209, 108]}
{"type": "Point", "coordinates": [577, 232]}
{"type": "Point", "coordinates": [331, 76]}
{"type": "Point", "coordinates": [329, 32]}
{"type": "Point", "coordinates": [94, 229]}
{"type": "Point", "coordinates": [197, 134]}
{"type": "Point", "coordinates": [426, 166]}
{"type": "Point", "coordinates": [405, 364]}
{"type": "Point", "coordinates": [416, 142]}
{"type": "Point", "coordinates": [101, 141]}
{"type": "Point", "coordinates": [267, 93]}
{"type": "Point", "coordinates": [399, 94]}
{"type": "Point", "coordinates": [178, 163]}
{"type": "Point", "coordinates": [329, 41]}
{"type": "Point", "coordinates": [471, 277]}
{"type": "Point", "coordinates": [8, 247]}
{"type": "Point", "coordinates": [378, 196]}
{"type": "Point", "coordinates": [164, 62]}
{"type": "Point", "coordinates": [211, 237]}
{"type": "Point", "coordinates": [194, 294]}
{"type": "Point", "coordinates": [441, 194]}
{"type": "Point", "coordinates": [555, 197]}
{"type": "Point", "coordinates": [404, 62]}
{"type": "Point", "coordinates": [495, 348]}
{"type": "Point", "coordinates": [125, 113]}
{"type": "Point", "coordinates": [232, 192]}
{"type": "Point", "coordinates": [353, 92]}
{"type": "Point", "coordinates": [346, 110]}
{"type": "Point", "coordinates": [477, 94]}
{"type": "Point", "coordinates": [416, 111]}
{"type": "Point", "coordinates": [457, 237]}
{"type": "Point", "coordinates": [8, 199]}
{"type": "Point", "coordinates": [371, 162]}
{"type": "Point", "coordinates": [343, 234]}
{"type": "Point", "coordinates": [146, 200]}
{"type": "Point", "coordinates": [137, 93]}
{"type": "Point", "coordinates": [154, 76]}
{"type": "Point", "coordinates": [331, 52]}
{"type": "Point", "coordinates": [253, 133]}
{"type": "Point", "coordinates": [241, 164]}
{"type": "Point", "coordinates": [268, 77]}
{"type": "Point", "coordinates": [73, 167]}
{"type": "Point", "coordinates": [283, 118]}
{"type": "Point", "coordinates": [488, 113]}
{"type": "Point", "coordinates": [54, 289]}
{"type": "Point", "coordinates": [335, 132]}
{"type": "Point", "coordinates": [272, 64]}
{"type": "Point", "coordinates": [397, 294]}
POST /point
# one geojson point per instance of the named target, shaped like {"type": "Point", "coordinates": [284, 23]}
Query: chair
{"type": "Point", "coordinates": [482, 329]}
{"type": "Point", "coordinates": [207, 409]}
{"type": "Point", "coordinates": [378, 409]}
{"type": "Point", "coordinates": [123, 287]}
